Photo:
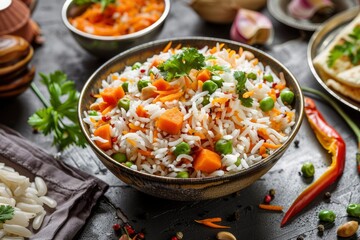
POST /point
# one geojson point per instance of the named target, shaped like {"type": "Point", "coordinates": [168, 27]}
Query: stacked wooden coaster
{"type": "Point", "coordinates": [15, 72]}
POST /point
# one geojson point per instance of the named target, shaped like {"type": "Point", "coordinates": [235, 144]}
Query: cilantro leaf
{"type": "Point", "coordinates": [6, 213]}
{"type": "Point", "coordinates": [104, 3]}
{"type": "Point", "coordinates": [216, 68]}
{"type": "Point", "coordinates": [240, 77]}
{"type": "Point", "coordinates": [181, 64]}
{"type": "Point", "coordinates": [60, 118]}
{"type": "Point", "coordinates": [350, 49]}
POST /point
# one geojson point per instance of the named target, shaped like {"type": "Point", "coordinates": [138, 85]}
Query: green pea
{"type": "Point", "coordinates": [119, 157]}
{"type": "Point", "coordinates": [308, 170]}
{"type": "Point", "coordinates": [209, 86]}
{"type": "Point", "coordinates": [327, 216]}
{"type": "Point", "coordinates": [128, 164]}
{"type": "Point", "coordinates": [223, 146]}
{"type": "Point", "coordinates": [268, 78]}
{"type": "Point", "coordinates": [287, 96]}
{"type": "Point", "coordinates": [125, 86]}
{"type": "Point", "coordinates": [142, 83]}
{"type": "Point", "coordinates": [266, 104]}
{"type": "Point", "coordinates": [218, 80]}
{"type": "Point", "coordinates": [353, 210]}
{"type": "Point", "coordinates": [124, 103]}
{"type": "Point", "coordinates": [206, 100]}
{"type": "Point", "coordinates": [182, 148]}
{"type": "Point", "coordinates": [251, 76]}
{"type": "Point", "coordinates": [182, 174]}
{"type": "Point", "coordinates": [93, 113]}
{"type": "Point", "coordinates": [238, 161]}
{"type": "Point", "coordinates": [136, 65]}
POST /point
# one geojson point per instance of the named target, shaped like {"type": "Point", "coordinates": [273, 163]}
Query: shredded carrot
{"type": "Point", "coordinates": [262, 150]}
{"type": "Point", "coordinates": [97, 96]}
{"type": "Point", "coordinates": [231, 53]}
{"type": "Point", "coordinates": [200, 135]}
{"type": "Point", "coordinates": [156, 63]}
{"type": "Point", "coordinates": [161, 85]}
{"type": "Point", "coordinates": [218, 115]}
{"type": "Point", "coordinates": [260, 86]}
{"type": "Point", "coordinates": [168, 92]}
{"type": "Point", "coordinates": [132, 142]}
{"type": "Point", "coordinates": [155, 135]}
{"type": "Point", "coordinates": [272, 94]}
{"type": "Point", "coordinates": [178, 46]}
{"type": "Point", "coordinates": [216, 219]}
{"type": "Point", "coordinates": [114, 77]}
{"type": "Point", "coordinates": [280, 86]}
{"type": "Point", "coordinates": [134, 127]}
{"type": "Point", "coordinates": [255, 61]}
{"type": "Point", "coordinates": [167, 47]}
{"type": "Point", "coordinates": [248, 94]}
{"type": "Point", "coordinates": [171, 97]}
{"type": "Point", "coordinates": [241, 50]}
{"type": "Point", "coordinates": [144, 153]}
{"type": "Point", "coordinates": [107, 109]}
{"type": "Point", "coordinates": [262, 132]}
{"type": "Point", "coordinates": [199, 85]}
{"type": "Point", "coordinates": [141, 14]}
{"type": "Point", "coordinates": [271, 207]}
{"type": "Point", "coordinates": [269, 145]}
{"type": "Point", "coordinates": [210, 222]}
{"type": "Point", "coordinates": [141, 112]}
{"type": "Point", "coordinates": [219, 100]}
{"type": "Point", "coordinates": [289, 115]}
{"type": "Point", "coordinates": [215, 49]}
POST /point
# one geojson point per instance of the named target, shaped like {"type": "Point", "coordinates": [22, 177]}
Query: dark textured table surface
{"type": "Point", "coordinates": [161, 219]}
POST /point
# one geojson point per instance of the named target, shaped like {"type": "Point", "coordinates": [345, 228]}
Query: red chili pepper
{"type": "Point", "coordinates": [331, 140]}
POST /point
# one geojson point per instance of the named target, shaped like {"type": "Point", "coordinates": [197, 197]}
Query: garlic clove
{"type": "Point", "coordinates": [251, 27]}
{"type": "Point", "coordinates": [305, 9]}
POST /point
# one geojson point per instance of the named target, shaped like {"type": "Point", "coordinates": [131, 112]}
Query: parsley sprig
{"type": "Point", "coordinates": [350, 49]}
{"type": "Point", "coordinates": [60, 116]}
{"type": "Point", "coordinates": [240, 77]}
{"type": "Point", "coordinates": [181, 64]}
{"type": "Point", "coordinates": [104, 3]}
{"type": "Point", "coordinates": [6, 213]}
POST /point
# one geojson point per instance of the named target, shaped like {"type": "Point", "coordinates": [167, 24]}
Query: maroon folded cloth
{"type": "Point", "coordinates": [76, 192]}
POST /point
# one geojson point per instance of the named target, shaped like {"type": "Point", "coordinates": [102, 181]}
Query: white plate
{"type": "Point", "coordinates": [318, 42]}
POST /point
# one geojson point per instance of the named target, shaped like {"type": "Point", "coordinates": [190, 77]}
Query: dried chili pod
{"type": "Point", "coordinates": [331, 140]}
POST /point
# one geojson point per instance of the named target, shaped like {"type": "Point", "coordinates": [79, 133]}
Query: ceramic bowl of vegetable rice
{"type": "Point", "coordinates": [191, 118]}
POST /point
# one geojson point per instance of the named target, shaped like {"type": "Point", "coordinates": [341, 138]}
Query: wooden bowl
{"type": "Point", "coordinates": [15, 20]}
{"type": "Point", "coordinates": [189, 189]}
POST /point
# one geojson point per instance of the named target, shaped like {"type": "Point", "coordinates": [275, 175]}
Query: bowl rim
{"type": "Point", "coordinates": [164, 179]}
{"type": "Point", "coordinates": [69, 3]}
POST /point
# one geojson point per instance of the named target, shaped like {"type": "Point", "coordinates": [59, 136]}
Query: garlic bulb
{"type": "Point", "coordinates": [223, 11]}
{"type": "Point", "coordinates": [251, 27]}
{"type": "Point", "coordinates": [305, 9]}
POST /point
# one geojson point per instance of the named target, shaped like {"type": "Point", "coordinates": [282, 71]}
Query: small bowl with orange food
{"type": "Point", "coordinates": [191, 118]}
{"type": "Point", "coordinates": [105, 31]}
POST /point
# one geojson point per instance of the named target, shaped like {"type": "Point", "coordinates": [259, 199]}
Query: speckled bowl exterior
{"type": "Point", "coordinates": [109, 46]}
{"type": "Point", "coordinates": [190, 189]}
